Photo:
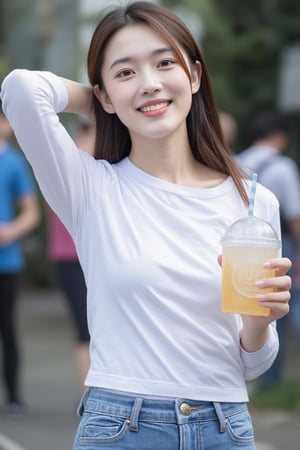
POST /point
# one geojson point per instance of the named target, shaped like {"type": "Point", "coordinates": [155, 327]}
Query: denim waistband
{"type": "Point", "coordinates": [136, 408]}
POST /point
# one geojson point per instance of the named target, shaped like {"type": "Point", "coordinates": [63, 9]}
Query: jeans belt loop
{"type": "Point", "coordinates": [221, 416]}
{"type": "Point", "coordinates": [135, 412]}
{"type": "Point", "coordinates": [82, 403]}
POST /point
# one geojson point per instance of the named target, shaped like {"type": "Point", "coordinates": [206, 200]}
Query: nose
{"type": "Point", "coordinates": [150, 82]}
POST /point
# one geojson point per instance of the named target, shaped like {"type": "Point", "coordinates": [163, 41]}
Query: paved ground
{"type": "Point", "coordinates": [51, 392]}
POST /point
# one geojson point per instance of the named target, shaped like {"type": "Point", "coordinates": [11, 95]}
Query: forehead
{"type": "Point", "coordinates": [133, 40]}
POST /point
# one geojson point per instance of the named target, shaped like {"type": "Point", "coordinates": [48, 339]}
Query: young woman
{"type": "Point", "coordinates": [168, 367]}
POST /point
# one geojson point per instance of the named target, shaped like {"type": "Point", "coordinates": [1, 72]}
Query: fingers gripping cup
{"type": "Point", "coordinates": [246, 246]}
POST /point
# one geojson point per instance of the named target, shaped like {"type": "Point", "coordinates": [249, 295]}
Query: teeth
{"type": "Point", "coordinates": [154, 107]}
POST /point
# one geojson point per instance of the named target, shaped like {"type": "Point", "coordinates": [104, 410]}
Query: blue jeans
{"type": "Point", "coordinates": [121, 421]}
{"type": "Point", "coordinates": [275, 373]}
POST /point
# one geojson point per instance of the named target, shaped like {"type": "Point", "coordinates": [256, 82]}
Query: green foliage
{"type": "Point", "coordinates": [284, 396]}
{"type": "Point", "coordinates": [3, 68]}
{"type": "Point", "coordinates": [242, 45]}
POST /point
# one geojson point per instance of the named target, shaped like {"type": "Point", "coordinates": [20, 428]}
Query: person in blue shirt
{"type": "Point", "coordinates": [19, 214]}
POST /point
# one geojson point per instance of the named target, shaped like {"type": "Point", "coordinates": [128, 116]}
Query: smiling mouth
{"type": "Point", "coordinates": [155, 107]}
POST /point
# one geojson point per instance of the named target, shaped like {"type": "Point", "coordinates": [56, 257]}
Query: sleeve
{"type": "Point", "coordinates": [31, 101]}
{"type": "Point", "coordinates": [256, 363]}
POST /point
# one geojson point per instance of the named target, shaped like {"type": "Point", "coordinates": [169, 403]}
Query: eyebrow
{"type": "Point", "coordinates": [127, 59]}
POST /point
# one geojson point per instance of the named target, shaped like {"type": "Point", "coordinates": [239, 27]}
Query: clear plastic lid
{"type": "Point", "coordinates": [252, 230]}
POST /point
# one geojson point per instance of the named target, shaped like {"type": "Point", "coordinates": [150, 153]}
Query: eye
{"type": "Point", "coordinates": [166, 63]}
{"type": "Point", "coordinates": [124, 73]}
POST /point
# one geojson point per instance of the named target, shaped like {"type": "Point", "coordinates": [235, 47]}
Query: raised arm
{"type": "Point", "coordinates": [79, 98]}
{"type": "Point", "coordinates": [32, 101]}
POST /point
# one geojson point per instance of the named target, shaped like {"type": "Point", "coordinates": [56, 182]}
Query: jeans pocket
{"type": "Point", "coordinates": [99, 430]}
{"type": "Point", "coordinates": [240, 428]}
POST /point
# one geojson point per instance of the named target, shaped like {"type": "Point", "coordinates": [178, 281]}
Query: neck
{"type": "Point", "coordinates": [166, 160]}
{"type": "Point", "coordinates": [174, 163]}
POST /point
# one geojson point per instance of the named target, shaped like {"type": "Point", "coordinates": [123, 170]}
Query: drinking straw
{"type": "Point", "coordinates": [252, 195]}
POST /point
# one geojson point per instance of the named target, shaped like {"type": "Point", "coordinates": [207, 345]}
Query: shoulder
{"type": "Point", "coordinates": [17, 158]}
{"type": "Point", "coordinates": [266, 205]}
{"type": "Point", "coordinates": [13, 155]}
{"type": "Point", "coordinates": [286, 161]}
{"type": "Point", "coordinates": [19, 169]}
{"type": "Point", "coordinates": [281, 168]}
{"type": "Point", "coordinates": [99, 170]}
{"type": "Point", "coordinates": [265, 200]}
{"type": "Point", "coordinates": [249, 152]}
{"type": "Point", "coordinates": [266, 194]}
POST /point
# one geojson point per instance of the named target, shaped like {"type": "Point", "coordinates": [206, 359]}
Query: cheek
{"type": "Point", "coordinates": [119, 99]}
{"type": "Point", "coordinates": [122, 105]}
{"type": "Point", "coordinates": [180, 84]}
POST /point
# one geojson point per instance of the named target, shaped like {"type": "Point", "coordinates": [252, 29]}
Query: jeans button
{"type": "Point", "coordinates": [185, 409]}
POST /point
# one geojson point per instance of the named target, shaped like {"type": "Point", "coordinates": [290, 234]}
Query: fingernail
{"type": "Point", "coordinates": [267, 264]}
{"type": "Point", "coordinates": [261, 297]}
{"type": "Point", "coordinates": [260, 283]}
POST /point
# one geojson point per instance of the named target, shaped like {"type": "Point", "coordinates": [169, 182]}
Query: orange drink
{"type": "Point", "coordinates": [246, 246]}
{"type": "Point", "coordinates": [242, 267]}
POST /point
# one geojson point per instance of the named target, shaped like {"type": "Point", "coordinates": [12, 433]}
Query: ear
{"type": "Point", "coordinates": [103, 99]}
{"type": "Point", "coordinates": [196, 77]}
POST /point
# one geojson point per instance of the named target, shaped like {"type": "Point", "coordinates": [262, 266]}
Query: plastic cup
{"type": "Point", "coordinates": [246, 246]}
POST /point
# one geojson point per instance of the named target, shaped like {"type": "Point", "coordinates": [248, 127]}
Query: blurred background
{"type": "Point", "coordinates": [252, 50]}
{"type": "Point", "coordinates": [253, 54]}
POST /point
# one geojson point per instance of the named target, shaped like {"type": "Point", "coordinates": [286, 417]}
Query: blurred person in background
{"type": "Point", "coordinates": [19, 215]}
{"type": "Point", "coordinates": [62, 252]}
{"type": "Point", "coordinates": [269, 133]}
{"type": "Point", "coordinates": [229, 128]}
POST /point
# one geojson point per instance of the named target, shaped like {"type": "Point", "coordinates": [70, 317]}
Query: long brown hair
{"type": "Point", "coordinates": [113, 141]}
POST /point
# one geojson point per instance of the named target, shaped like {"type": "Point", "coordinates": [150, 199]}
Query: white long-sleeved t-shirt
{"type": "Point", "coordinates": [149, 251]}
